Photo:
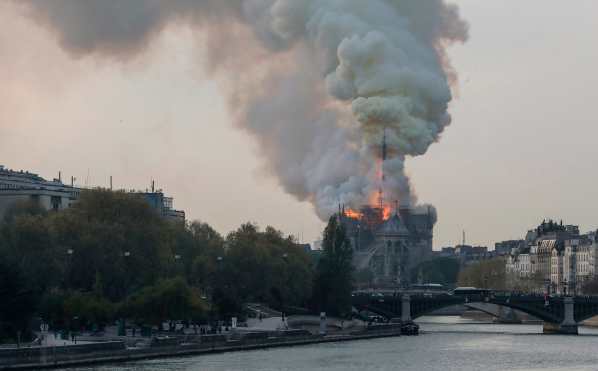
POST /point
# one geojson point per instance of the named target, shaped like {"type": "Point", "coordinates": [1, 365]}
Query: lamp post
{"type": "Point", "coordinates": [219, 260]}
{"type": "Point", "coordinates": [68, 268]}
{"type": "Point", "coordinates": [122, 326]}
{"type": "Point", "coordinates": [176, 259]}
{"type": "Point", "coordinates": [127, 257]}
{"type": "Point", "coordinates": [285, 258]}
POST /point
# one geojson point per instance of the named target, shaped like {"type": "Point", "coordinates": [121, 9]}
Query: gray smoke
{"type": "Point", "coordinates": [316, 82]}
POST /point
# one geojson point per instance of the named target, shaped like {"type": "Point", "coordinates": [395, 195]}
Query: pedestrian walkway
{"type": "Point", "coordinates": [52, 340]}
{"type": "Point", "coordinates": [265, 324]}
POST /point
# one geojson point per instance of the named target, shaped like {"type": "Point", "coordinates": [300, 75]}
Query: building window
{"type": "Point", "coordinates": [56, 203]}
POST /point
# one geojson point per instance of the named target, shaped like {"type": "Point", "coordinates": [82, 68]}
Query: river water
{"type": "Point", "coordinates": [446, 343]}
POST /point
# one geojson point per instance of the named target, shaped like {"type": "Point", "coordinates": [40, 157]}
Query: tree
{"type": "Point", "coordinates": [442, 270]}
{"type": "Point", "coordinates": [334, 276]}
{"type": "Point", "coordinates": [111, 253]}
{"type": "Point", "coordinates": [18, 300]}
{"type": "Point", "coordinates": [264, 267]}
{"type": "Point", "coordinates": [168, 299]}
{"type": "Point", "coordinates": [206, 246]}
{"type": "Point", "coordinates": [112, 234]}
{"type": "Point", "coordinates": [87, 310]}
{"type": "Point", "coordinates": [488, 274]}
{"type": "Point", "coordinates": [27, 242]}
{"type": "Point", "coordinates": [533, 283]}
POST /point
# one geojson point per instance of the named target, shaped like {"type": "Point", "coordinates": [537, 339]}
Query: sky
{"type": "Point", "coordinates": [521, 146]}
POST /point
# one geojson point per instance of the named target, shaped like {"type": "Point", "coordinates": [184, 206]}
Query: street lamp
{"type": "Point", "coordinates": [216, 287]}
{"type": "Point", "coordinates": [285, 257]}
{"type": "Point", "coordinates": [127, 255]}
{"type": "Point", "coordinates": [68, 266]}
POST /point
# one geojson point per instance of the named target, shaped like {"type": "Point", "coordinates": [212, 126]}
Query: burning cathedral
{"type": "Point", "coordinates": [389, 246]}
{"type": "Point", "coordinates": [388, 242]}
{"type": "Point", "coordinates": [321, 83]}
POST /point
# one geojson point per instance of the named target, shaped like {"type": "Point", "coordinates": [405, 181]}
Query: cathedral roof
{"type": "Point", "coordinates": [393, 227]}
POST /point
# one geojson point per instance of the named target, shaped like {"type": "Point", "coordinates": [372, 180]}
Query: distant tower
{"type": "Point", "coordinates": [380, 191]}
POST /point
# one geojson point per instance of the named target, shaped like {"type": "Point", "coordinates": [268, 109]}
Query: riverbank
{"type": "Point", "coordinates": [488, 348]}
{"type": "Point", "coordinates": [48, 358]}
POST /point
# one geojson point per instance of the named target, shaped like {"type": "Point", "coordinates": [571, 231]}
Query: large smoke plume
{"type": "Point", "coordinates": [316, 82]}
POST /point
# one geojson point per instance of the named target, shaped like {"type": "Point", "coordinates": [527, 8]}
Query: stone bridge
{"type": "Point", "coordinates": [501, 313]}
{"type": "Point", "coordinates": [560, 314]}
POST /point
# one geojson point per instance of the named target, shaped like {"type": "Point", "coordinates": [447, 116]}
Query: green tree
{"type": "Point", "coordinates": [168, 299]}
{"type": "Point", "coordinates": [111, 255]}
{"type": "Point", "coordinates": [206, 246]}
{"type": "Point", "coordinates": [27, 242]}
{"type": "Point", "coordinates": [116, 235]}
{"type": "Point", "coordinates": [442, 270]}
{"type": "Point", "coordinates": [18, 300]}
{"type": "Point", "coordinates": [87, 310]}
{"type": "Point", "coordinates": [260, 266]}
{"type": "Point", "coordinates": [334, 276]}
{"type": "Point", "coordinates": [489, 274]}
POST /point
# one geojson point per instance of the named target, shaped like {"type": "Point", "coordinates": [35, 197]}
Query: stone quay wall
{"type": "Point", "coordinates": [114, 352]}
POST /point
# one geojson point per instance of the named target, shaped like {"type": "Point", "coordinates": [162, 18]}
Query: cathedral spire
{"type": "Point", "coordinates": [383, 156]}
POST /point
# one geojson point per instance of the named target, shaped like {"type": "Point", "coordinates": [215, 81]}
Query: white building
{"type": "Point", "coordinates": [22, 186]}
{"type": "Point", "coordinates": [586, 261]}
{"type": "Point", "coordinates": [558, 258]}
{"type": "Point", "coordinates": [16, 186]}
{"type": "Point", "coordinates": [519, 265]}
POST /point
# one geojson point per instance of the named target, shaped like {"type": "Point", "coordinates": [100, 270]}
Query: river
{"type": "Point", "coordinates": [446, 343]}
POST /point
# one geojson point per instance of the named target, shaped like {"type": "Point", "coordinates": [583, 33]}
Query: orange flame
{"type": "Point", "coordinates": [386, 212]}
{"type": "Point", "coordinates": [350, 213]}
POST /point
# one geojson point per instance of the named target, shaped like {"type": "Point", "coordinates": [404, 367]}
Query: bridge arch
{"type": "Point", "coordinates": [389, 306]}
{"type": "Point", "coordinates": [560, 314]}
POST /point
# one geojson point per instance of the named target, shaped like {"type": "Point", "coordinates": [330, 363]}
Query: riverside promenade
{"type": "Point", "coordinates": [115, 351]}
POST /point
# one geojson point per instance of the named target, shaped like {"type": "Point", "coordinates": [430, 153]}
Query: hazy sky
{"type": "Point", "coordinates": [521, 146]}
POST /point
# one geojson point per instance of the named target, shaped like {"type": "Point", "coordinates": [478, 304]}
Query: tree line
{"type": "Point", "coordinates": [111, 256]}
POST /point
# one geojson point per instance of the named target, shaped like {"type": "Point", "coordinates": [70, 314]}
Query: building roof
{"type": "Point", "coordinates": [393, 227]}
